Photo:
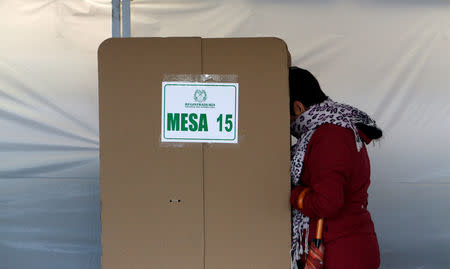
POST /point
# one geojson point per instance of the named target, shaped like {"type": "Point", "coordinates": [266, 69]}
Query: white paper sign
{"type": "Point", "coordinates": [199, 112]}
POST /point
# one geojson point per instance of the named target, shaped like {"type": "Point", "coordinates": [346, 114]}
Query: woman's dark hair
{"type": "Point", "coordinates": [371, 132]}
{"type": "Point", "coordinates": [304, 87]}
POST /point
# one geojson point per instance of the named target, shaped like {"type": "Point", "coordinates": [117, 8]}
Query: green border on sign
{"type": "Point", "coordinates": [209, 85]}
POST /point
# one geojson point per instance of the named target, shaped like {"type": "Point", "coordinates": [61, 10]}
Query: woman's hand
{"type": "Point", "coordinates": [297, 196]}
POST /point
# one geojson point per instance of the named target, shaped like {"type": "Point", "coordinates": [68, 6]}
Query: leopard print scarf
{"type": "Point", "coordinates": [303, 128]}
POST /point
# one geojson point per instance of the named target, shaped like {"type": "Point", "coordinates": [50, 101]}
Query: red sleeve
{"type": "Point", "coordinates": [329, 166]}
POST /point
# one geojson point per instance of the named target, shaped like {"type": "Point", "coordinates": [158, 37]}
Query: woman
{"type": "Point", "coordinates": [330, 175]}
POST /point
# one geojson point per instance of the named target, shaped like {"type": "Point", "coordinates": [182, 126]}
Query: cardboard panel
{"type": "Point", "coordinates": [234, 210]}
{"type": "Point", "coordinates": [140, 227]}
{"type": "Point", "coordinates": [247, 213]}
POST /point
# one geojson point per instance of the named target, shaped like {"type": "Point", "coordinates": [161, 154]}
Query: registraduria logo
{"type": "Point", "coordinates": [200, 97]}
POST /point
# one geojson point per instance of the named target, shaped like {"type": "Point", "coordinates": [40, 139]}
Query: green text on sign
{"type": "Point", "coordinates": [228, 122]}
{"type": "Point", "coordinates": [187, 122]}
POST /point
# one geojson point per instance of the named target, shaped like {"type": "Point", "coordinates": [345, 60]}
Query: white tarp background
{"type": "Point", "coordinates": [390, 58]}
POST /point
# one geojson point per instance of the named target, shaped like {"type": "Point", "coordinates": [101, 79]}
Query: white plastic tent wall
{"type": "Point", "coordinates": [390, 58]}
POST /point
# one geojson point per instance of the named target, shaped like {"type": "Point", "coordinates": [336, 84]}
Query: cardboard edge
{"type": "Point", "coordinates": [104, 45]}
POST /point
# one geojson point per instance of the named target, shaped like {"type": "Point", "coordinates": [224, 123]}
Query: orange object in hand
{"type": "Point", "coordinates": [319, 229]}
{"type": "Point", "coordinates": [301, 196]}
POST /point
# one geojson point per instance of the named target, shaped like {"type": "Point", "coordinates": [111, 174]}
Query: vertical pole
{"type": "Point", "coordinates": [116, 18]}
{"type": "Point", "coordinates": [126, 24]}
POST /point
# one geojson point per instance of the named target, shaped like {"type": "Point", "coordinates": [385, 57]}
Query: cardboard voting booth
{"type": "Point", "coordinates": [194, 153]}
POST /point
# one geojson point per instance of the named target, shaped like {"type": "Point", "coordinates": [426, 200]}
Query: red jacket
{"type": "Point", "coordinates": [339, 177]}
